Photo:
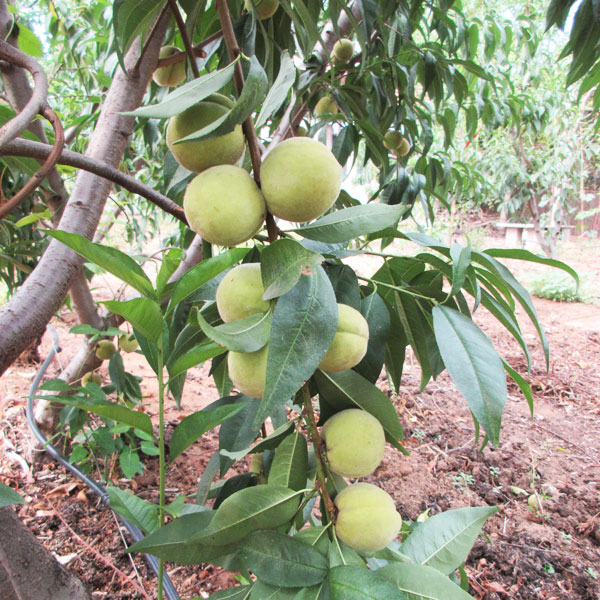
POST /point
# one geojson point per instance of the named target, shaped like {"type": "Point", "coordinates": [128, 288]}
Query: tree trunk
{"type": "Point", "coordinates": [30, 309]}
{"type": "Point", "coordinates": [28, 570]}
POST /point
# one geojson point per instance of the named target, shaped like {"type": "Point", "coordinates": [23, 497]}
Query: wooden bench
{"type": "Point", "coordinates": [519, 234]}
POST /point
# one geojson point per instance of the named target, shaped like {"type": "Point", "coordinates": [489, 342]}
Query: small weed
{"type": "Point", "coordinates": [591, 572]}
{"type": "Point", "coordinates": [419, 434]}
{"type": "Point", "coordinates": [463, 481]}
{"type": "Point", "coordinates": [494, 472]}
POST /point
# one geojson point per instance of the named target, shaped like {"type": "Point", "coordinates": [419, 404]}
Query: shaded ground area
{"type": "Point", "coordinates": [548, 552]}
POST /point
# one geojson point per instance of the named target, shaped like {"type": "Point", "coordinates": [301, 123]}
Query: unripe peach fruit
{"type": "Point", "coordinates": [264, 8]}
{"type": "Point", "coordinates": [367, 519]}
{"type": "Point", "coordinates": [248, 371]}
{"type": "Point", "coordinates": [200, 155]}
{"type": "Point", "coordinates": [342, 51]}
{"type": "Point", "coordinates": [127, 342]}
{"type": "Point", "coordinates": [171, 75]}
{"type": "Point", "coordinates": [355, 442]}
{"type": "Point", "coordinates": [300, 179]}
{"type": "Point", "coordinates": [397, 143]}
{"type": "Point", "coordinates": [224, 205]}
{"type": "Point", "coordinates": [349, 343]}
{"type": "Point", "coordinates": [91, 377]}
{"type": "Point", "coordinates": [326, 106]}
{"type": "Point", "coordinates": [239, 294]}
{"type": "Point", "coordinates": [105, 349]}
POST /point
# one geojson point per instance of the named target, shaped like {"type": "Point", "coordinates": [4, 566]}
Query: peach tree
{"type": "Point", "coordinates": [257, 283]}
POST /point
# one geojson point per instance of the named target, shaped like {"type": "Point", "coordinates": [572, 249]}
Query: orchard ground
{"type": "Point", "coordinates": [548, 553]}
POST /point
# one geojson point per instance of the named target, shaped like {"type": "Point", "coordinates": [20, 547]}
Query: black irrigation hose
{"type": "Point", "coordinates": [97, 488]}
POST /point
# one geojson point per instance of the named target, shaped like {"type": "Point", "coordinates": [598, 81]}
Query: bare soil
{"type": "Point", "coordinates": [550, 552]}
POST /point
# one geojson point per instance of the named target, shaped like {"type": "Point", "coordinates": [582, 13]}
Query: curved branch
{"type": "Point", "coordinates": [19, 124]}
{"type": "Point", "coordinates": [31, 149]}
{"type": "Point", "coordinates": [36, 179]}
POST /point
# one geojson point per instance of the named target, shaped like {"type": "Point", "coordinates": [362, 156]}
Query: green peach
{"type": "Point", "coordinates": [397, 143]}
{"type": "Point", "coordinates": [224, 205]}
{"type": "Point", "coordinates": [349, 342]}
{"type": "Point", "coordinates": [105, 349]}
{"type": "Point", "coordinates": [342, 51]}
{"type": "Point", "coordinates": [173, 74]}
{"type": "Point", "coordinates": [264, 8]}
{"type": "Point", "coordinates": [355, 442]}
{"type": "Point", "coordinates": [248, 371]}
{"type": "Point", "coordinates": [200, 155]}
{"type": "Point", "coordinates": [239, 293]}
{"type": "Point", "coordinates": [91, 377]}
{"type": "Point", "coordinates": [128, 343]}
{"type": "Point", "coordinates": [367, 519]}
{"type": "Point", "coordinates": [300, 179]}
{"type": "Point", "coordinates": [326, 106]}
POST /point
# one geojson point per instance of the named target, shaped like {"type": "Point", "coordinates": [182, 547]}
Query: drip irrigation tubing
{"type": "Point", "coordinates": [96, 487]}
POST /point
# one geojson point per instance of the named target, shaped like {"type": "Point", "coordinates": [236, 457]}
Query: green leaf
{"type": "Point", "coordinates": [375, 311]}
{"type": "Point", "coordinates": [172, 542]}
{"type": "Point", "coordinates": [282, 263]}
{"type": "Point", "coordinates": [264, 591]}
{"type": "Point", "coordinates": [250, 509]}
{"type": "Point", "coordinates": [253, 93]}
{"type": "Point", "coordinates": [290, 463]}
{"type": "Point", "coordinates": [141, 513]}
{"type": "Point", "coordinates": [133, 18]}
{"type": "Point", "coordinates": [522, 383]}
{"type": "Point", "coordinates": [130, 463]}
{"type": "Point", "coordinates": [143, 314]}
{"type": "Point", "coordinates": [194, 357]}
{"type": "Point", "coordinates": [422, 583]}
{"type": "Point", "coordinates": [279, 90]}
{"type": "Point", "coordinates": [197, 276]}
{"type": "Point", "coordinates": [235, 593]}
{"type": "Point", "coordinates": [103, 408]}
{"type": "Point", "coordinates": [110, 259]}
{"type": "Point", "coordinates": [518, 254]}
{"type": "Point", "coordinates": [474, 366]}
{"type": "Point", "coordinates": [303, 327]}
{"type": "Point", "coordinates": [8, 496]}
{"type": "Point", "coordinates": [29, 42]}
{"type": "Point", "coordinates": [243, 335]}
{"type": "Point", "coordinates": [461, 261]}
{"type": "Point", "coordinates": [197, 424]}
{"type": "Point", "coordinates": [280, 560]}
{"type": "Point", "coordinates": [187, 95]}
{"type": "Point", "coordinates": [349, 389]}
{"type": "Point", "coordinates": [357, 583]}
{"type": "Point", "coordinates": [349, 223]}
{"type": "Point", "coordinates": [444, 540]}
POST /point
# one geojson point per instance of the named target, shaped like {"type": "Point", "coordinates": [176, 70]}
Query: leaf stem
{"type": "Point", "coordinates": [319, 453]}
{"type": "Point", "coordinates": [398, 289]}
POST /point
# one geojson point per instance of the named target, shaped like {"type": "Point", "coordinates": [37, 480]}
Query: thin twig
{"type": "Point", "coordinates": [319, 452]}
{"type": "Point", "coordinates": [29, 148]}
{"type": "Point", "coordinates": [36, 179]}
{"type": "Point", "coordinates": [198, 51]}
{"type": "Point", "coordinates": [105, 560]}
{"type": "Point", "coordinates": [187, 42]}
{"type": "Point", "coordinates": [21, 122]}
{"type": "Point", "coordinates": [238, 76]}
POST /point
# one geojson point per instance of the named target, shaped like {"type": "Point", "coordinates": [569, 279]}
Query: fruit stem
{"type": "Point", "coordinates": [187, 42]}
{"type": "Point", "coordinates": [319, 453]}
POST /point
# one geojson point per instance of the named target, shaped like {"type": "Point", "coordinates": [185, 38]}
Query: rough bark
{"type": "Point", "coordinates": [28, 570]}
{"type": "Point", "coordinates": [33, 305]}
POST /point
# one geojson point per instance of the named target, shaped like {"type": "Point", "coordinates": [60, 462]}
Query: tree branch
{"type": "Point", "coordinates": [31, 149]}
{"type": "Point", "coordinates": [36, 179]}
{"type": "Point", "coordinates": [21, 122]}
{"type": "Point", "coordinates": [185, 36]}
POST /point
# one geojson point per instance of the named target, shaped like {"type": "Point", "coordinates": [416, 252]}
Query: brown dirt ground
{"type": "Point", "coordinates": [548, 554]}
